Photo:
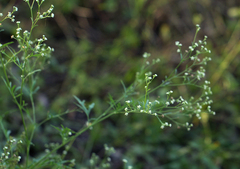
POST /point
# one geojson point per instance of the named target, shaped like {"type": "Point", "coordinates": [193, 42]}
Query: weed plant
{"type": "Point", "coordinates": [21, 68]}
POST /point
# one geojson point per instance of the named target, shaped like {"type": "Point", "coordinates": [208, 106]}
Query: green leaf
{"type": "Point", "coordinates": [38, 70]}
{"type": "Point", "coordinates": [6, 44]}
{"type": "Point", "coordinates": [82, 106]}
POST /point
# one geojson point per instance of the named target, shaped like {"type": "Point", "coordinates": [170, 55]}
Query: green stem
{"type": "Point", "coordinates": [71, 139]}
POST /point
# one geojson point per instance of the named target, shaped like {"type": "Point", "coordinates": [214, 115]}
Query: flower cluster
{"type": "Point", "coordinates": [9, 156]}
{"type": "Point", "coordinates": [28, 46]}
{"type": "Point", "coordinates": [9, 15]}
{"type": "Point", "coordinates": [169, 106]}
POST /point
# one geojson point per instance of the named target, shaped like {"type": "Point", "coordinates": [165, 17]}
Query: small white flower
{"type": "Point", "coordinates": [191, 48]}
{"type": "Point", "coordinates": [15, 8]}
{"type": "Point", "coordinates": [145, 55]}
{"type": "Point", "coordinates": [124, 160]}
{"type": "Point", "coordinates": [52, 15]}
{"type": "Point", "coordinates": [126, 109]}
{"type": "Point", "coordinates": [128, 101]}
{"type": "Point", "coordinates": [138, 106]}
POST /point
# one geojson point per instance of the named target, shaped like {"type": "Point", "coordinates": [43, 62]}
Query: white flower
{"type": "Point", "coordinates": [15, 8]}
{"type": "Point", "coordinates": [124, 160]}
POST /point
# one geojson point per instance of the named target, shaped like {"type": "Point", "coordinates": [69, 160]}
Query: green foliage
{"type": "Point", "coordinates": [161, 103]}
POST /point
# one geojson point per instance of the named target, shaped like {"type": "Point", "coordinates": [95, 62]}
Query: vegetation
{"type": "Point", "coordinates": [132, 104]}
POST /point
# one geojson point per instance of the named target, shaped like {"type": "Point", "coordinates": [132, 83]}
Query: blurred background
{"type": "Point", "coordinates": [98, 43]}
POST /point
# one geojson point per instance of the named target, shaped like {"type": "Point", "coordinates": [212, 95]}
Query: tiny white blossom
{"type": "Point", "coordinates": [15, 8]}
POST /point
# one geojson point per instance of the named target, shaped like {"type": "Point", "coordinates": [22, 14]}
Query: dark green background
{"type": "Point", "coordinates": [98, 43]}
